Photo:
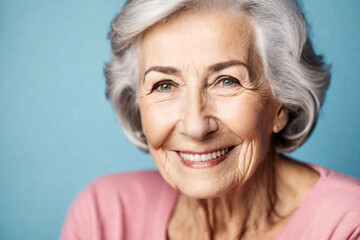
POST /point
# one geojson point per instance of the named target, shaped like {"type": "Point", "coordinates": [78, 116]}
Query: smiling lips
{"type": "Point", "coordinates": [204, 160]}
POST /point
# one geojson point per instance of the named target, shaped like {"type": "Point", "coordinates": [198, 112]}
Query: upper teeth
{"type": "Point", "coordinates": [204, 157]}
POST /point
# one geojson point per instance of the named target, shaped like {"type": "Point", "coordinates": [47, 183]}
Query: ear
{"type": "Point", "coordinates": [281, 118]}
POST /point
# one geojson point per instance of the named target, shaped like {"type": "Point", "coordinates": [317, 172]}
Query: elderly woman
{"type": "Point", "coordinates": [216, 90]}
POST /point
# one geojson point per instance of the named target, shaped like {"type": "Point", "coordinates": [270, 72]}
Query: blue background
{"type": "Point", "coordinates": [58, 132]}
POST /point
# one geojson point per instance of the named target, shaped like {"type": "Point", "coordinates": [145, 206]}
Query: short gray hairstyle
{"type": "Point", "coordinates": [297, 76]}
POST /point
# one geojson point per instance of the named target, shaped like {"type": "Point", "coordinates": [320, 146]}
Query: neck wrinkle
{"type": "Point", "coordinates": [245, 209]}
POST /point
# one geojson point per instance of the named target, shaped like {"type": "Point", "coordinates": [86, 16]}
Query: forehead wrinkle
{"type": "Point", "coordinates": [243, 30]}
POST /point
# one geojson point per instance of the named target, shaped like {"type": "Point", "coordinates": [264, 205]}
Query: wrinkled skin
{"type": "Point", "coordinates": [196, 94]}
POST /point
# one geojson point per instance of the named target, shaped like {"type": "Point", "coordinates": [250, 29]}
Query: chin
{"type": "Point", "coordinates": [198, 193]}
{"type": "Point", "coordinates": [204, 189]}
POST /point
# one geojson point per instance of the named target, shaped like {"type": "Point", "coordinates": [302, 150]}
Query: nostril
{"type": "Point", "coordinates": [197, 123]}
{"type": "Point", "coordinates": [198, 127]}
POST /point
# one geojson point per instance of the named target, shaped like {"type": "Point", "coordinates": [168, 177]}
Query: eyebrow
{"type": "Point", "coordinates": [213, 68]}
{"type": "Point", "coordinates": [222, 65]}
{"type": "Point", "coordinates": [163, 69]}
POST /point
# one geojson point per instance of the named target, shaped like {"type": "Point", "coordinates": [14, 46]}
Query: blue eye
{"type": "Point", "coordinates": [163, 86]}
{"type": "Point", "coordinates": [228, 81]}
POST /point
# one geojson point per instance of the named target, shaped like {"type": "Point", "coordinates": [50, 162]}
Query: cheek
{"type": "Point", "coordinates": [243, 115]}
{"type": "Point", "coordinates": [158, 120]}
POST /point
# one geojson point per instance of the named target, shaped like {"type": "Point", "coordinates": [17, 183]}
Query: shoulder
{"type": "Point", "coordinates": [140, 189]}
{"type": "Point", "coordinates": [132, 191]}
{"type": "Point", "coordinates": [337, 187]}
{"type": "Point", "coordinates": [337, 195]}
{"type": "Point", "coordinates": [148, 181]}
{"type": "Point", "coordinates": [331, 210]}
{"type": "Point", "coordinates": [118, 204]}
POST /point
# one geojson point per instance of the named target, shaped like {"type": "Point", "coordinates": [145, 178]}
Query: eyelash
{"type": "Point", "coordinates": [158, 84]}
{"type": "Point", "coordinates": [221, 79]}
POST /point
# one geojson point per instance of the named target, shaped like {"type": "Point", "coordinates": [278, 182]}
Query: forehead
{"type": "Point", "coordinates": [208, 37]}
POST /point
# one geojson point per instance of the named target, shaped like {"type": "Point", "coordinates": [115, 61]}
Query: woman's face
{"type": "Point", "coordinates": [208, 126]}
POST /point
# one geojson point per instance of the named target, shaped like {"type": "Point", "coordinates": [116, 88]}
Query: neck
{"type": "Point", "coordinates": [244, 210]}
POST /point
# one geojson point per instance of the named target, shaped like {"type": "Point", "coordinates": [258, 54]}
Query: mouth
{"type": "Point", "coordinates": [205, 159]}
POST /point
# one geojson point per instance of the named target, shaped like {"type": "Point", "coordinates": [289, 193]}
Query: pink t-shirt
{"type": "Point", "coordinates": [138, 205]}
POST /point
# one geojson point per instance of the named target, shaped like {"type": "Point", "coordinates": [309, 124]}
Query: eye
{"type": "Point", "coordinates": [164, 86]}
{"type": "Point", "coordinates": [227, 81]}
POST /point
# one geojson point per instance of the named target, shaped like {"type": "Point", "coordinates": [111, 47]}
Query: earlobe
{"type": "Point", "coordinates": [281, 119]}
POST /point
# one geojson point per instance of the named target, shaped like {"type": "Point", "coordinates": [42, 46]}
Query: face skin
{"type": "Point", "coordinates": [196, 96]}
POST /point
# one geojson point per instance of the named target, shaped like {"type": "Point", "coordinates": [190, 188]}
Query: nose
{"type": "Point", "coordinates": [197, 116]}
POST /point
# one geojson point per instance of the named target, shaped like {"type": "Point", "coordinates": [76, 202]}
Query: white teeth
{"type": "Point", "coordinates": [204, 157]}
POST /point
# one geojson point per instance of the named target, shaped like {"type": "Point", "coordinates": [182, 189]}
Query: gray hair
{"type": "Point", "coordinates": [297, 76]}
